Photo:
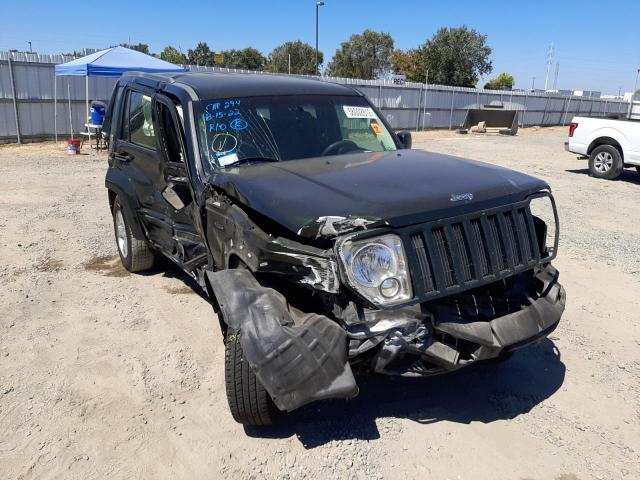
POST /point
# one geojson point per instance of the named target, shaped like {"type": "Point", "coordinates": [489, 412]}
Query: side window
{"type": "Point", "coordinates": [138, 121]}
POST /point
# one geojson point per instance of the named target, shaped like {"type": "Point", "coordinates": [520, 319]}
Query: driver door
{"type": "Point", "coordinates": [175, 191]}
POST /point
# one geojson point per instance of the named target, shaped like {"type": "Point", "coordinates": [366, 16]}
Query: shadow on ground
{"type": "Point", "coordinates": [166, 268]}
{"type": "Point", "coordinates": [627, 175]}
{"type": "Point", "coordinates": [481, 393]}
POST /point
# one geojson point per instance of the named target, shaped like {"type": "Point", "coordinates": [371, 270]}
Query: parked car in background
{"type": "Point", "coordinates": [611, 145]}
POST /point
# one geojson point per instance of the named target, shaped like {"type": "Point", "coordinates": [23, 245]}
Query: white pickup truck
{"type": "Point", "coordinates": [610, 145]}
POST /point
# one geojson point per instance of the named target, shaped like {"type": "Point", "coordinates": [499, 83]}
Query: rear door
{"type": "Point", "coordinates": [633, 134]}
{"type": "Point", "coordinates": [137, 151]}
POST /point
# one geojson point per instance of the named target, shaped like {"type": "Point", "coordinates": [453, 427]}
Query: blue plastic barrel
{"type": "Point", "coordinates": [97, 113]}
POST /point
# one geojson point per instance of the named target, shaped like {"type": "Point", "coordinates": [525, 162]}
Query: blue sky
{"type": "Point", "coordinates": [597, 43]}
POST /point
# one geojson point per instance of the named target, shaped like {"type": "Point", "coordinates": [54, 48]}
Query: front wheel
{"type": "Point", "coordinates": [136, 256]}
{"type": "Point", "coordinates": [249, 402]}
{"type": "Point", "coordinates": [605, 162]}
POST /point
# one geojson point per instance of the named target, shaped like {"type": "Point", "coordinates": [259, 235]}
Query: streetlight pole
{"type": "Point", "coordinates": [318, 5]}
{"type": "Point", "coordinates": [30, 49]}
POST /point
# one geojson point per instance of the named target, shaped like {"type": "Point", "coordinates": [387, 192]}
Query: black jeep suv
{"type": "Point", "coordinates": [326, 245]}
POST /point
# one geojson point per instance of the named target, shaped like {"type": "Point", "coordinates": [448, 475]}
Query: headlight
{"type": "Point", "coordinates": [377, 269]}
{"type": "Point", "coordinates": [544, 213]}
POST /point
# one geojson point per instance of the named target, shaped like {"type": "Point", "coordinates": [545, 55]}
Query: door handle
{"type": "Point", "coordinates": [123, 157]}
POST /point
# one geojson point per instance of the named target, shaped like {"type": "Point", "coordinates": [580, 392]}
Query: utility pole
{"type": "Point", "coordinates": [555, 78]}
{"type": "Point", "coordinates": [318, 5]}
{"type": "Point", "coordinates": [550, 55]}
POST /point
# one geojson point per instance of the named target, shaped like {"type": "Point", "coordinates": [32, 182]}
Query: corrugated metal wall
{"type": "Point", "coordinates": [411, 106]}
{"type": "Point", "coordinates": [34, 89]}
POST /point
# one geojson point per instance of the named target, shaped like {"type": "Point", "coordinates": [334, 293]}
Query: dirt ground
{"type": "Point", "coordinates": [104, 374]}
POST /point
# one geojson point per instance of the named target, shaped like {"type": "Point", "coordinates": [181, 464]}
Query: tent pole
{"type": "Point", "coordinates": [69, 96]}
{"type": "Point", "coordinates": [86, 95]}
{"type": "Point", "coordinates": [55, 106]}
{"type": "Point", "coordinates": [86, 98]}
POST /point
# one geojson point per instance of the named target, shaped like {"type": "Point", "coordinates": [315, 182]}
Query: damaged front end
{"type": "Point", "coordinates": [455, 331]}
{"type": "Point", "coordinates": [463, 289]}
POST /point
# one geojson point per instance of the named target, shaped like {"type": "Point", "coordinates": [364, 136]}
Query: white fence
{"type": "Point", "coordinates": [27, 100]}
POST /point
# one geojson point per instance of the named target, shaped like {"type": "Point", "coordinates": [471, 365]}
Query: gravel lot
{"type": "Point", "coordinates": [106, 374]}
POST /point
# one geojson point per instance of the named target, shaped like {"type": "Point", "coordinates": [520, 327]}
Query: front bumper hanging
{"type": "Point", "coordinates": [448, 339]}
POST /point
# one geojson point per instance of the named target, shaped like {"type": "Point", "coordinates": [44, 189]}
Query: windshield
{"type": "Point", "coordinates": [280, 128]}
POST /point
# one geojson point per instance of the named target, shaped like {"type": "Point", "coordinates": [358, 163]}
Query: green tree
{"type": "Point", "coordinates": [453, 56]}
{"type": "Point", "coordinates": [366, 55]}
{"type": "Point", "coordinates": [173, 55]}
{"type": "Point", "coordinates": [201, 55]}
{"type": "Point", "coordinates": [140, 47]}
{"type": "Point", "coordinates": [247, 59]}
{"type": "Point", "coordinates": [407, 63]}
{"type": "Point", "coordinates": [504, 81]}
{"type": "Point", "coordinates": [303, 59]}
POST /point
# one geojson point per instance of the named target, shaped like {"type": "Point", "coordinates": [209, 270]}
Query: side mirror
{"type": "Point", "coordinates": [405, 139]}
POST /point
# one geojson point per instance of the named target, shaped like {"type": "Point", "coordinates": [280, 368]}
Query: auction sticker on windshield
{"type": "Point", "coordinates": [358, 112]}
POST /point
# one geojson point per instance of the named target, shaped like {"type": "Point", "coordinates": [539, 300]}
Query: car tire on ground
{"type": "Point", "coordinates": [136, 256]}
{"type": "Point", "coordinates": [249, 402]}
{"type": "Point", "coordinates": [606, 162]}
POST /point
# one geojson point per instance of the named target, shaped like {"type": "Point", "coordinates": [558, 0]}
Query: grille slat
{"type": "Point", "coordinates": [524, 235]}
{"type": "Point", "coordinates": [424, 261]}
{"type": "Point", "coordinates": [514, 241]}
{"type": "Point", "coordinates": [481, 246]}
{"type": "Point", "coordinates": [443, 253]}
{"type": "Point", "coordinates": [498, 243]}
{"type": "Point", "coordinates": [464, 252]}
{"type": "Point", "coordinates": [461, 247]}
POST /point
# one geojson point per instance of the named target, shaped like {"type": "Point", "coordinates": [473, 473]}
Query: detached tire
{"type": "Point", "coordinates": [249, 402]}
{"type": "Point", "coordinates": [606, 162]}
{"type": "Point", "coordinates": [136, 256]}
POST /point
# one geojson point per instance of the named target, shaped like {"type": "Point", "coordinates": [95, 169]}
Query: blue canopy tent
{"type": "Point", "coordinates": [111, 62]}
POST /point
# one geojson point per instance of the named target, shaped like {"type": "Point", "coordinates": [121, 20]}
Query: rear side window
{"type": "Point", "coordinates": [138, 120]}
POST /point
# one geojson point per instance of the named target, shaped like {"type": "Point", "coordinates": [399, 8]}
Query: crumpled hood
{"type": "Point", "coordinates": [327, 196]}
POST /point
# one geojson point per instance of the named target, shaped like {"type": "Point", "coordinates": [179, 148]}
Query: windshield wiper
{"type": "Point", "coordinates": [246, 160]}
